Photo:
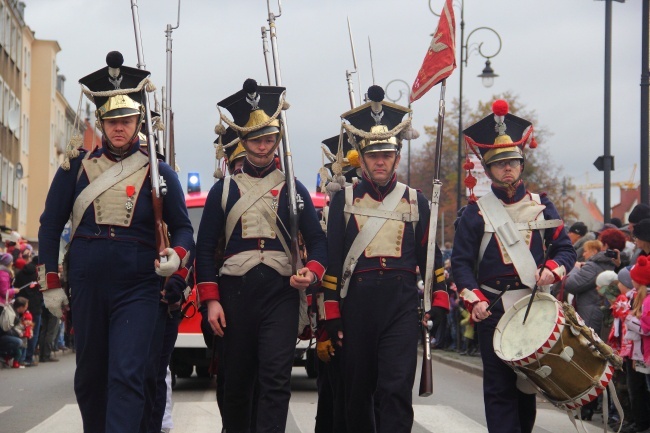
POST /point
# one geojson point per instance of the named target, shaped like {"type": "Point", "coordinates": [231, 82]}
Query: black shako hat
{"type": "Point", "coordinates": [499, 135]}
{"type": "Point", "coordinates": [350, 157]}
{"type": "Point", "coordinates": [116, 77]}
{"type": "Point", "coordinates": [377, 117]}
{"type": "Point", "coordinates": [236, 150]}
{"type": "Point", "coordinates": [255, 109]}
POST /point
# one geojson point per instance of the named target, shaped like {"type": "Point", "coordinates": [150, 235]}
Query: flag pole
{"type": "Point", "coordinates": [426, 380]}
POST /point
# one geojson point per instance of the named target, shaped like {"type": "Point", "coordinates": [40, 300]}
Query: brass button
{"type": "Point", "coordinates": [244, 233]}
{"type": "Point", "coordinates": [383, 265]}
{"type": "Point", "coordinates": [99, 213]}
{"type": "Point", "coordinates": [96, 200]}
{"type": "Point", "coordinates": [112, 235]}
{"type": "Point", "coordinates": [498, 282]}
{"type": "Point", "coordinates": [381, 272]}
{"type": "Point", "coordinates": [126, 221]}
{"type": "Point", "coordinates": [100, 219]}
{"type": "Point", "coordinates": [397, 249]}
{"type": "Point", "coordinates": [128, 215]}
{"type": "Point", "coordinates": [383, 259]}
{"type": "Point", "coordinates": [517, 284]}
{"type": "Point", "coordinates": [357, 200]}
{"type": "Point", "coordinates": [95, 161]}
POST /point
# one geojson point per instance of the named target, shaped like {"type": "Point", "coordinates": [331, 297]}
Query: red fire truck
{"type": "Point", "coordinates": [190, 350]}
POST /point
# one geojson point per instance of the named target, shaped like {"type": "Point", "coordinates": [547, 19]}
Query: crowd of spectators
{"type": "Point", "coordinates": [29, 332]}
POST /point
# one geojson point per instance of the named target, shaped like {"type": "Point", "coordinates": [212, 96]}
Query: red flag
{"type": "Point", "coordinates": [440, 60]}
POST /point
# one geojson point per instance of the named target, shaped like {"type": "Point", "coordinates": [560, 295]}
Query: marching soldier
{"type": "Point", "coordinates": [370, 289]}
{"type": "Point", "coordinates": [504, 265]}
{"type": "Point", "coordinates": [253, 300]}
{"type": "Point", "coordinates": [114, 273]}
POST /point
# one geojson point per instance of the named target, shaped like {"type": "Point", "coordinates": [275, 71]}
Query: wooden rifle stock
{"type": "Point", "coordinates": [426, 377]}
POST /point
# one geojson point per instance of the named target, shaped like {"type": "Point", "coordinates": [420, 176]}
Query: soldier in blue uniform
{"type": "Point", "coordinates": [370, 291]}
{"type": "Point", "coordinates": [113, 267]}
{"type": "Point", "coordinates": [484, 266]}
{"type": "Point", "coordinates": [253, 299]}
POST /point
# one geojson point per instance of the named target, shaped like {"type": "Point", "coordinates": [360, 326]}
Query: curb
{"type": "Point", "coordinates": [458, 363]}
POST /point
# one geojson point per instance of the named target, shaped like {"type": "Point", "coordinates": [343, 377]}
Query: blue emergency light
{"type": "Point", "coordinates": [193, 183]}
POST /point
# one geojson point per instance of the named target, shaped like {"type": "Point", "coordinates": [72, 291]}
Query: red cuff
{"type": "Point", "coordinates": [332, 310]}
{"type": "Point", "coordinates": [316, 268]}
{"type": "Point", "coordinates": [440, 299]}
{"type": "Point", "coordinates": [309, 300]}
{"type": "Point", "coordinates": [182, 252]}
{"type": "Point", "coordinates": [208, 291]}
{"type": "Point", "coordinates": [469, 306]}
{"type": "Point", "coordinates": [52, 280]}
{"type": "Point", "coordinates": [182, 272]}
{"type": "Point", "coordinates": [552, 265]}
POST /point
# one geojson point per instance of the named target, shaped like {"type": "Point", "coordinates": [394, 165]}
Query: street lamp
{"type": "Point", "coordinates": [409, 134]}
{"type": "Point", "coordinates": [487, 77]}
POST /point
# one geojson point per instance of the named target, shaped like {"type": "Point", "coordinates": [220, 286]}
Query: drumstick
{"type": "Point", "coordinates": [532, 295]}
{"type": "Point", "coordinates": [497, 299]}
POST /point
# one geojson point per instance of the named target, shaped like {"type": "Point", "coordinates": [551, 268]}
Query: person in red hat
{"type": "Point", "coordinates": [487, 262]}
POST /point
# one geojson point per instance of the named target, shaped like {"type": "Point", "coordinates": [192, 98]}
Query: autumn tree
{"type": "Point", "coordinates": [541, 173]}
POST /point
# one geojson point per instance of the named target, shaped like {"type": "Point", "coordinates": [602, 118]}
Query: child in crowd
{"type": "Point", "coordinates": [468, 331]}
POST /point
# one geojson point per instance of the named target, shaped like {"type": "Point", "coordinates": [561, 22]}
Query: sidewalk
{"type": "Point", "coordinates": [469, 364]}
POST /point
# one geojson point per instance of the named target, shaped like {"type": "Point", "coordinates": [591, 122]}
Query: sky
{"type": "Point", "coordinates": [552, 58]}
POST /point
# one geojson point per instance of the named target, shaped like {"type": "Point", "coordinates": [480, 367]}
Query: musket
{"type": "Point", "coordinates": [168, 116]}
{"type": "Point", "coordinates": [426, 383]}
{"type": "Point", "coordinates": [348, 73]}
{"type": "Point", "coordinates": [158, 186]}
{"type": "Point", "coordinates": [160, 135]}
{"type": "Point", "coordinates": [265, 51]}
{"type": "Point", "coordinates": [295, 201]}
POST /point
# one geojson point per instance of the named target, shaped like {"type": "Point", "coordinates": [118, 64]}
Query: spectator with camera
{"type": "Point", "coordinates": [581, 283]}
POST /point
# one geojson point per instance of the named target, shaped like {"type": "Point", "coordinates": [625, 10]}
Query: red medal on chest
{"type": "Point", "coordinates": [130, 192]}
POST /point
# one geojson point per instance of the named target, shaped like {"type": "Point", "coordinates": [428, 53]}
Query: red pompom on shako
{"type": "Point", "coordinates": [500, 107]}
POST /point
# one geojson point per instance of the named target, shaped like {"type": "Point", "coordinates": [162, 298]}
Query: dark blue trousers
{"type": "Point", "coordinates": [380, 337]}
{"type": "Point", "coordinates": [116, 296]}
{"type": "Point", "coordinates": [506, 408]}
{"type": "Point", "coordinates": [261, 311]}
{"type": "Point", "coordinates": [167, 327]}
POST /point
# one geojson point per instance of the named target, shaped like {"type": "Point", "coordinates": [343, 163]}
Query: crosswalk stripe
{"type": "Point", "coordinates": [439, 419]}
{"type": "Point", "coordinates": [65, 420]}
{"type": "Point", "coordinates": [304, 414]}
{"type": "Point", "coordinates": [196, 416]}
{"type": "Point", "coordinates": [4, 408]}
{"type": "Point", "coordinates": [200, 416]}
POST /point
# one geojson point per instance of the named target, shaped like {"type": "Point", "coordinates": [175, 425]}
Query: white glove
{"type": "Point", "coordinates": [172, 264]}
{"type": "Point", "coordinates": [54, 300]}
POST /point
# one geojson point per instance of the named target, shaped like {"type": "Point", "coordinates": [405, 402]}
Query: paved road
{"type": "Point", "coordinates": [41, 400]}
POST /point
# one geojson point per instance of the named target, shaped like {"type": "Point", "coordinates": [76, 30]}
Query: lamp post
{"type": "Point", "coordinates": [487, 76]}
{"type": "Point", "coordinates": [411, 134]}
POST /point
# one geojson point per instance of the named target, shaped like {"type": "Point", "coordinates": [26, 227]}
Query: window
{"type": "Point", "coordinates": [25, 141]}
{"type": "Point", "coordinates": [22, 211]}
{"type": "Point", "coordinates": [5, 181]}
{"type": "Point", "coordinates": [28, 68]}
{"type": "Point", "coordinates": [12, 40]}
{"type": "Point", "coordinates": [2, 23]}
{"type": "Point", "coordinates": [16, 194]}
{"type": "Point", "coordinates": [7, 31]}
{"type": "Point", "coordinates": [1, 101]}
{"type": "Point", "coordinates": [18, 126]}
{"type": "Point", "coordinates": [5, 105]}
{"type": "Point", "coordinates": [19, 49]}
{"type": "Point", "coordinates": [10, 106]}
{"type": "Point", "coordinates": [10, 184]}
